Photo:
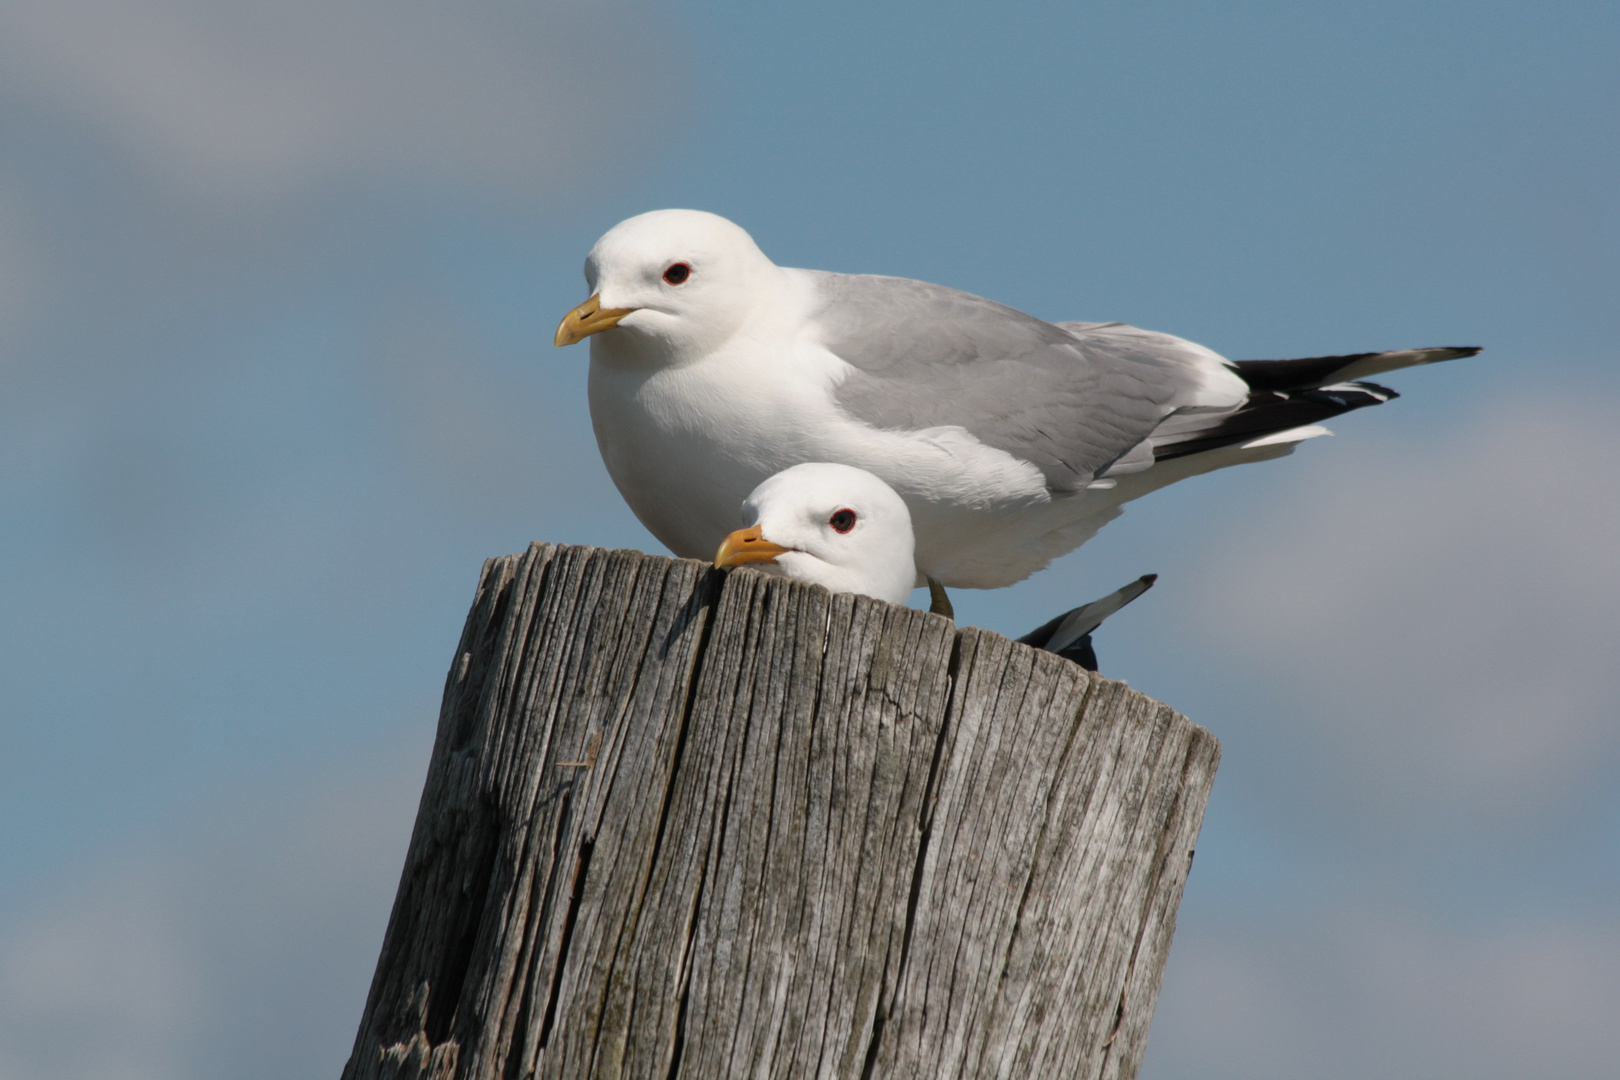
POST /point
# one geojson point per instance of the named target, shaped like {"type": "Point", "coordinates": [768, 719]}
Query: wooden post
{"type": "Point", "coordinates": [687, 824]}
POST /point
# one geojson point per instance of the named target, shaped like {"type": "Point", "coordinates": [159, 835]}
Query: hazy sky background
{"type": "Point", "coordinates": [277, 289]}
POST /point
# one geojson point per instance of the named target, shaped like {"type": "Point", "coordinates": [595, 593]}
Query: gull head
{"type": "Point", "coordinates": [831, 525]}
{"type": "Point", "coordinates": [669, 285]}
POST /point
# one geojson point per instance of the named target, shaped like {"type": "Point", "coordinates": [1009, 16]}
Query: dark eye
{"type": "Point", "coordinates": [842, 520]}
{"type": "Point", "coordinates": [677, 273]}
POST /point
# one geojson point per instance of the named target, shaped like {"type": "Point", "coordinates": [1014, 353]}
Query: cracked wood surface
{"type": "Point", "coordinates": [683, 823]}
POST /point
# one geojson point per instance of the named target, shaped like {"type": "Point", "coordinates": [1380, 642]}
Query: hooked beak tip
{"type": "Point", "coordinates": [587, 319]}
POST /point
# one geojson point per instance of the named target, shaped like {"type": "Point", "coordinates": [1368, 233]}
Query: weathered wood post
{"type": "Point", "coordinates": [685, 824]}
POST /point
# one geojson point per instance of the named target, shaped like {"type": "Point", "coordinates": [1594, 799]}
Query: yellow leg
{"type": "Point", "coordinates": [939, 603]}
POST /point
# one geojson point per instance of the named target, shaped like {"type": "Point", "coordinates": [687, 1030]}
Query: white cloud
{"type": "Point", "coordinates": [98, 985]}
{"type": "Point", "coordinates": [1384, 993]}
{"type": "Point", "coordinates": [227, 206]}
{"type": "Point", "coordinates": [1443, 615]}
{"type": "Point", "coordinates": [254, 98]}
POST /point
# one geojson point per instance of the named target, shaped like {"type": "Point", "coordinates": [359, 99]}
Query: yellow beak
{"type": "Point", "coordinates": [587, 319]}
{"type": "Point", "coordinates": [747, 546]}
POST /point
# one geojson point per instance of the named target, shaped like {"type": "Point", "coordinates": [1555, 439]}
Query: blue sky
{"type": "Point", "coordinates": [277, 287]}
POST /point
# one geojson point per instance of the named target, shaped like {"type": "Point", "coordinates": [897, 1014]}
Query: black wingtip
{"type": "Point", "coordinates": [1148, 579]}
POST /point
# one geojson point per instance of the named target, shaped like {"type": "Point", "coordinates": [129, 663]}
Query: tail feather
{"type": "Point", "coordinates": [1312, 372]}
{"type": "Point", "coordinates": [1266, 412]}
{"type": "Point", "coordinates": [1289, 394]}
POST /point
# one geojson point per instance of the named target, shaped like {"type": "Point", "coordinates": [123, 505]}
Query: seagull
{"type": "Point", "coordinates": [831, 525]}
{"type": "Point", "coordinates": [845, 529]}
{"type": "Point", "coordinates": [1011, 440]}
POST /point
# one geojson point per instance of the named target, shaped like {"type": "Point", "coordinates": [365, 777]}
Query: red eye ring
{"type": "Point", "coordinates": [677, 273]}
{"type": "Point", "coordinates": [842, 520]}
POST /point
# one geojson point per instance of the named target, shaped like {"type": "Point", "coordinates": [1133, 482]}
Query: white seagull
{"type": "Point", "coordinates": [1012, 440]}
{"type": "Point", "coordinates": [831, 525]}
{"type": "Point", "coordinates": [845, 529]}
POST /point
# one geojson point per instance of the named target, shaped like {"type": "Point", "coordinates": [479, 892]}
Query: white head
{"type": "Point", "coordinates": [832, 525]}
{"type": "Point", "coordinates": [670, 284]}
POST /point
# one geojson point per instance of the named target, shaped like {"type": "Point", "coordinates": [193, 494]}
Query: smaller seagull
{"type": "Point", "coordinates": [831, 525]}
{"type": "Point", "coordinates": [846, 530]}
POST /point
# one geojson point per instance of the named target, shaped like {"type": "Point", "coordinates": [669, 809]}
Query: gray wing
{"type": "Point", "coordinates": [1071, 399]}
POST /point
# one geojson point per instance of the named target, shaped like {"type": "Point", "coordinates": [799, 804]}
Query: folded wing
{"type": "Point", "coordinates": [1081, 401]}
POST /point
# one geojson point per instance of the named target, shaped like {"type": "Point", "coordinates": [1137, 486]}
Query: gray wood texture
{"type": "Point", "coordinates": [682, 823]}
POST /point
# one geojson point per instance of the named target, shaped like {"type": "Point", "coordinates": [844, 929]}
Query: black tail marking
{"type": "Point", "coordinates": [1269, 412]}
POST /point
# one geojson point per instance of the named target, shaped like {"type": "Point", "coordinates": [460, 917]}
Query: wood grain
{"type": "Point", "coordinates": [685, 823]}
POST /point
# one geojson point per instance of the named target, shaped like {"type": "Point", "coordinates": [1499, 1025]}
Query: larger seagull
{"type": "Point", "coordinates": [1012, 440]}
